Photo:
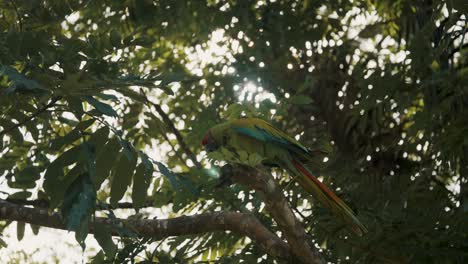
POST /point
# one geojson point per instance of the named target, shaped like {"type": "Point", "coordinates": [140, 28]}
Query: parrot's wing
{"type": "Point", "coordinates": [263, 131]}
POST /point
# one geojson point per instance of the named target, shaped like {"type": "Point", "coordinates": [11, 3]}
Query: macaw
{"type": "Point", "coordinates": [256, 136]}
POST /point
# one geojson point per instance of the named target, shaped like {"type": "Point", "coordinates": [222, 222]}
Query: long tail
{"type": "Point", "coordinates": [328, 198]}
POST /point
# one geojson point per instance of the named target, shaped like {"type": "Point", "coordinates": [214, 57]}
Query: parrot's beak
{"type": "Point", "coordinates": [211, 146]}
{"type": "Point", "coordinates": [209, 143]}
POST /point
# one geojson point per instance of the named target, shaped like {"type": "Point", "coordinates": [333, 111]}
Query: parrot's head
{"type": "Point", "coordinates": [214, 138]}
{"type": "Point", "coordinates": [209, 142]}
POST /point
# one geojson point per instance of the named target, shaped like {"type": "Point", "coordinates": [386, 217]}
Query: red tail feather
{"type": "Point", "coordinates": [319, 183]}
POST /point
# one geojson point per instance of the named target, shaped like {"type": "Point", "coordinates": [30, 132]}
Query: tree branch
{"type": "Point", "coordinates": [31, 117]}
{"type": "Point", "coordinates": [240, 223]}
{"type": "Point", "coordinates": [279, 209]}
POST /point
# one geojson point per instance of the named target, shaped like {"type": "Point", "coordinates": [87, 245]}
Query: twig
{"type": "Point", "coordinates": [40, 111]}
{"type": "Point", "coordinates": [179, 156]}
{"type": "Point", "coordinates": [176, 132]}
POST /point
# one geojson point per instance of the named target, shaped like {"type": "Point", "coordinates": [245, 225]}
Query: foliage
{"type": "Point", "coordinates": [87, 87]}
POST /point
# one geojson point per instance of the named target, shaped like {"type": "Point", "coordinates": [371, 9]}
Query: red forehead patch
{"type": "Point", "coordinates": [205, 138]}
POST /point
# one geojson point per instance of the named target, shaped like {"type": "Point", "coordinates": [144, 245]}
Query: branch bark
{"type": "Point", "coordinates": [279, 209]}
{"type": "Point", "coordinates": [240, 223]}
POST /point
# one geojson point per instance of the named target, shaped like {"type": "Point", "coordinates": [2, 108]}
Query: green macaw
{"type": "Point", "coordinates": [256, 136]}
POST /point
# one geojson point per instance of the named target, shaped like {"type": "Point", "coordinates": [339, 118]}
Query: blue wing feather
{"type": "Point", "coordinates": [263, 135]}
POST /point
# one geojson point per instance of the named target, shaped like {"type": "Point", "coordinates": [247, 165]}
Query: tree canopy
{"type": "Point", "coordinates": [103, 105]}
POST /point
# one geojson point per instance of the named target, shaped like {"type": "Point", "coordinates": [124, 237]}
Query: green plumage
{"type": "Point", "coordinates": [255, 136]}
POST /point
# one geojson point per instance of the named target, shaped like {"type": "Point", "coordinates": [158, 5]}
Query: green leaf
{"type": "Point", "coordinates": [169, 175]}
{"type": "Point", "coordinates": [141, 182]}
{"type": "Point", "coordinates": [22, 195]}
{"type": "Point", "coordinates": [27, 175]}
{"type": "Point", "coordinates": [103, 235]}
{"type": "Point", "coordinates": [115, 38]}
{"type": "Point", "coordinates": [20, 230]}
{"type": "Point", "coordinates": [51, 182]}
{"type": "Point", "coordinates": [90, 158]}
{"type": "Point", "coordinates": [140, 186]}
{"type": "Point", "coordinates": [19, 82]}
{"type": "Point", "coordinates": [99, 138]}
{"type": "Point", "coordinates": [35, 229]}
{"type": "Point", "coordinates": [371, 30]}
{"type": "Point", "coordinates": [99, 258]}
{"type": "Point", "coordinates": [71, 137]}
{"type": "Point", "coordinates": [144, 41]}
{"type": "Point", "coordinates": [300, 100]}
{"type": "Point", "coordinates": [84, 124]}
{"type": "Point", "coordinates": [78, 206]}
{"type": "Point", "coordinates": [104, 96]}
{"type": "Point", "coordinates": [235, 111]}
{"type": "Point", "coordinates": [122, 177]}
{"type": "Point", "coordinates": [55, 184]}
{"type": "Point", "coordinates": [101, 107]}
{"type": "Point", "coordinates": [216, 155]}
{"type": "Point", "coordinates": [132, 94]}
{"type": "Point", "coordinates": [105, 160]}
{"type": "Point", "coordinates": [127, 148]}
{"type": "Point", "coordinates": [14, 133]}
{"type": "Point", "coordinates": [68, 139]}
{"type": "Point", "coordinates": [75, 104]}
{"type": "Point", "coordinates": [69, 157]}
{"type": "Point", "coordinates": [3, 244]}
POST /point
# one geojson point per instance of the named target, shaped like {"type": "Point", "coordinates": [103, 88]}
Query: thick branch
{"type": "Point", "coordinates": [31, 117]}
{"type": "Point", "coordinates": [279, 209]}
{"type": "Point", "coordinates": [240, 223]}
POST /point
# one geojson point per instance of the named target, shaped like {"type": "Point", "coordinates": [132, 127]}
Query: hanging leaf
{"type": "Point", "coordinates": [75, 104]}
{"type": "Point", "coordinates": [35, 229]}
{"type": "Point", "coordinates": [141, 182]}
{"type": "Point", "coordinates": [20, 230]}
{"type": "Point", "coordinates": [72, 136]}
{"type": "Point", "coordinates": [115, 38]}
{"type": "Point", "coordinates": [103, 235]}
{"type": "Point", "coordinates": [90, 159]}
{"type": "Point", "coordinates": [122, 177]}
{"type": "Point", "coordinates": [140, 186]}
{"type": "Point", "coordinates": [99, 138]}
{"type": "Point", "coordinates": [169, 175]}
{"type": "Point", "coordinates": [78, 206]}
{"type": "Point", "coordinates": [105, 160]}
{"type": "Point", "coordinates": [101, 107]}
{"type": "Point", "coordinates": [51, 183]}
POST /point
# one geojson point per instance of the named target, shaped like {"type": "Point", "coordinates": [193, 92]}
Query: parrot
{"type": "Point", "coordinates": [276, 148]}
